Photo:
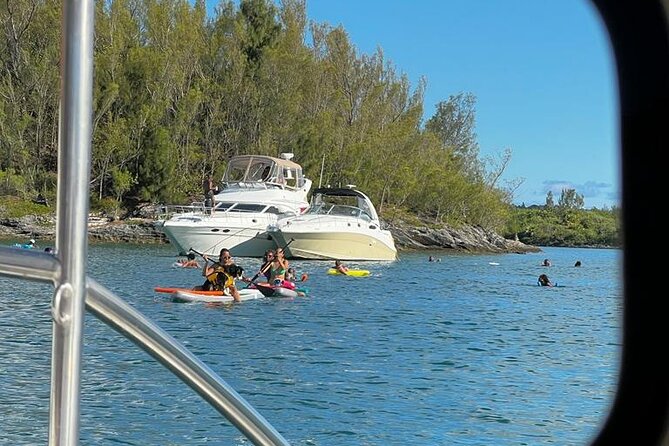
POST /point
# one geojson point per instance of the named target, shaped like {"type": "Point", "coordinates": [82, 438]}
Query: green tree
{"type": "Point", "coordinates": [570, 199]}
{"type": "Point", "coordinates": [454, 122]}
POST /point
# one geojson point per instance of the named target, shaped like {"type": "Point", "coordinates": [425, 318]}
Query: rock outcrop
{"type": "Point", "coordinates": [139, 228]}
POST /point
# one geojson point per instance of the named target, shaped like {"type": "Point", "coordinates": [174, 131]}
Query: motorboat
{"type": "Point", "coordinates": [256, 192]}
{"type": "Point", "coordinates": [341, 223]}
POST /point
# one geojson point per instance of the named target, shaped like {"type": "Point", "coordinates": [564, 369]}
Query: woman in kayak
{"type": "Point", "coordinates": [267, 264]}
{"type": "Point", "coordinates": [221, 275]}
{"type": "Point", "coordinates": [278, 268]}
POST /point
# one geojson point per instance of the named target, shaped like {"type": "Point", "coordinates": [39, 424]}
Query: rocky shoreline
{"type": "Point", "coordinates": [142, 230]}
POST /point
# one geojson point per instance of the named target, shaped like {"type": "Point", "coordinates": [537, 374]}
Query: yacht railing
{"type": "Point", "coordinates": [74, 291]}
{"type": "Point", "coordinates": [165, 212]}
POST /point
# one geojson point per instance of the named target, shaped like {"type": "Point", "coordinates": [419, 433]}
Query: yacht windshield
{"type": "Point", "coordinates": [249, 169]}
{"type": "Point", "coordinates": [322, 207]}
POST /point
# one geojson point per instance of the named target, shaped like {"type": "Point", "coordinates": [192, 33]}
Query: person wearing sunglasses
{"type": "Point", "coordinates": [221, 275]}
{"type": "Point", "coordinates": [267, 263]}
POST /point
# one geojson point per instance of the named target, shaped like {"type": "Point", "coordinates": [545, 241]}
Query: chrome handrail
{"type": "Point", "coordinates": [112, 310]}
{"type": "Point", "coordinates": [74, 291]}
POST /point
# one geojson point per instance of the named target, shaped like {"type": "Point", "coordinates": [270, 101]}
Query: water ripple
{"type": "Point", "coordinates": [455, 352]}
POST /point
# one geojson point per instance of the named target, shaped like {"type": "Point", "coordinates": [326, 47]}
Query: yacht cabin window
{"type": "Point", "coordinates": [249, 207]}
{"type": "Point", "coordinates": [223, 206]}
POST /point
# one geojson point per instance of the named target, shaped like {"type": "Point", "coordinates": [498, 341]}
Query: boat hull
{"type": "Point", "coordinates": [243, 237]}
{"type": "Point", "coordinates": [332, 245]}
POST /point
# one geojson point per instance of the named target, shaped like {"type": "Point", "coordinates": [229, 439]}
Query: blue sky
{"type": "Point", "coordinates": [542, 72]}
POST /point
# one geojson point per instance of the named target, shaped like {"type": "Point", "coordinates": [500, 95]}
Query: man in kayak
{"type": "Point", "coordinates": [221, 275]}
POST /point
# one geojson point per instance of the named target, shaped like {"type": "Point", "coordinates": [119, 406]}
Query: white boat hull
{"type": "Point", "coordinates": [244, 237]}
{"type": "Point", "coordinates": [326, 241]}
{"type": "Point", "coordinates": [257, 191]}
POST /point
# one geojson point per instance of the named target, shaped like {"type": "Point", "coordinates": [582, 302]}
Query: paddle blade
{"type": "Point", "coordinates": [266, 290]}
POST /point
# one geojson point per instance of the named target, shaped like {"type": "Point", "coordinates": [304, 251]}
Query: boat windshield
{"type": "Point", "coordinates": [341, 210]}
{"type": "Point", "coordinates": [245, 170]}
{"type": "Point", "coordinates": [264, 170]}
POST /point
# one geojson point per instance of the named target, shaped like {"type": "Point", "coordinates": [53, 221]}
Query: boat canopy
{"type": "Point", "coordinates": [328, 194]}
{"type": "Point", "coordinates": [264, 169]}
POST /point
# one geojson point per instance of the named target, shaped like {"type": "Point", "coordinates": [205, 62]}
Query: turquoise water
{"type": "Point", "coordinates": [456, 352]}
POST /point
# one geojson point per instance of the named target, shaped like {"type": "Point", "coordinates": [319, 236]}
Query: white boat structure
{"type": "Point", "coordinates": [341, 223]}
{"type": "Point", "coordinates": [256, 192]}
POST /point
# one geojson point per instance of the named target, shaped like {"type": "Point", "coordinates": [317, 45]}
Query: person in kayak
{"type": "Point", "coordinates": [221, 275]}
{"type": "Point", "coordinates": [543, 280]}
{"type": "Point", "coordinates": [268, 258]}
{"type": "Point", "coordinates": [343, 269]}
{"type": "Point", "coordinates": [278, 268]}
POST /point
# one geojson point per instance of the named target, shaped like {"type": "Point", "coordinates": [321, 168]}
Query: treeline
{"type": "Point", "coordinates": [565, 223]}
{"type": "Point", "coordinates": [178, 92]}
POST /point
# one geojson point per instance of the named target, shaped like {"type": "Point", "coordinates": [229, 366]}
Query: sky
{"type": "Point", "coordinates": [542, 73]}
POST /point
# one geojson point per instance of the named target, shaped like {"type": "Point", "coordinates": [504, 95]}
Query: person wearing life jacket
{"type": "Point", "coordinates": [221, 275]}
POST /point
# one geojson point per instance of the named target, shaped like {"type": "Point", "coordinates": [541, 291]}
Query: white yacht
{"type": "Point", "coordinates": [341, 223]}
{"type": "Point", "coordinates": [256, 191]}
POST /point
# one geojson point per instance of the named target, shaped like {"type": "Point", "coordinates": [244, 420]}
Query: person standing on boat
{"type": "Point", "coordinates": [208, 189]}
{"type": "Point", "coordinates": [221, 275]}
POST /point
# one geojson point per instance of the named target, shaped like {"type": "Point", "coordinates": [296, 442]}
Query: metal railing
{"type": "Point", "coordinates": [74, 291]}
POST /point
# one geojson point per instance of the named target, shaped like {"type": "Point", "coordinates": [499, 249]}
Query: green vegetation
{"type": "Point", "coordinates": [14, 207]}
{"type": "Point", "coordinates": [564, 224]}
{"type": "Point", "coordinates": [177, 93]}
